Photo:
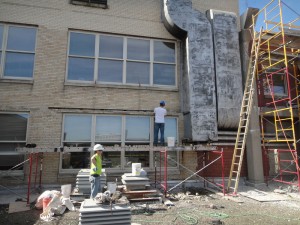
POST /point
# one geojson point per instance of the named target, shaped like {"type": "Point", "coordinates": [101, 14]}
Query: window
{"type": "Point", "coordinates": [77, 130]}
{"type": "Point", "coordinates": [1, 41]}
{"type": "Point", "coordinates": [275, 84]}
{"type": "Point", "coordinates": [76, 160]}
{"type": "Point", "coordinates": [120, 60]}
{"type": "Point", "coordinates": [164, 60]}
{"type": "Point", "coordinates": [170, 128]}
{"type": "Point", "coordinates": [111, 160]}
{"type": "Point", "coordinates": [18, 53]}
{"type": "Point", "coordinates": [142, 157]}
{"type": "Point", "coordinates": [110, 130]}
{"type": "Point", "coordinates": [137, 129]}
{"type": "Point", "coordinates": [81, 57]}
{"type": "Point", "coordinates": [13, 131]}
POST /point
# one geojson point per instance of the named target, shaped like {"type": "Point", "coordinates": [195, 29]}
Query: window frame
{"type": "Point", "coordinates": [15, 172]}
{"type": "Point", "coordinates": [124, 61]}
{"type": "Point", "coordinates": [266, 88]}
{"type": "Point", "coordinates": [4, 51]}
{"type": "Point", "coordinates": [122, 167]}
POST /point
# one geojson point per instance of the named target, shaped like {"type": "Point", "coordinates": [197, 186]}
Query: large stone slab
{"type": "Point", "coordinates": [198, 77]}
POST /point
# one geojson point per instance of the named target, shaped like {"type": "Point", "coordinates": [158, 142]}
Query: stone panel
{"type": "Point", "coordinates": [198, 78]}
{"type": "Point", "coordinates": [228, 68]}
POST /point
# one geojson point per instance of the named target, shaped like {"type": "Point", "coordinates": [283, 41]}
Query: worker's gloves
{"type": "Point", "coordinates": [95, 169]}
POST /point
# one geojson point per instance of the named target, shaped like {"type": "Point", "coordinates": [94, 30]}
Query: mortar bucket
{"type": "Point", "coordinates": [136, 169]}
{"type": "Point", "coordinates": [112, 187]}
{"type": "Point", "coordinates": [171, 141]}
{"type": "Point", "coordinates": [66, 190]}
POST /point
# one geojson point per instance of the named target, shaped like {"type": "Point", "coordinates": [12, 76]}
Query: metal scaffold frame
{"type": "Point", "coordinates": [165, 159]}
{"type": "Point", "coordinates": [280, 112]}
{"type": "Point", "coordinates": [35, 168]}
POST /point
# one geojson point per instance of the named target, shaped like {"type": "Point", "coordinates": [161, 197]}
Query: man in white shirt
{"type": "Point", "coordinates": [159, 124]}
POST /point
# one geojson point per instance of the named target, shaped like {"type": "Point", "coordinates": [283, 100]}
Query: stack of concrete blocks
{"type": "Point", "coordinates": [133, 182]}
{"type": "Point", "coordinates": [91, 214]}
{"type": "Point", "coordinates": [82, 181]}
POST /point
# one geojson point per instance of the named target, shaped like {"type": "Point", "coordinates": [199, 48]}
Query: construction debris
{"type": "Point", "coordinates": [54, 203]}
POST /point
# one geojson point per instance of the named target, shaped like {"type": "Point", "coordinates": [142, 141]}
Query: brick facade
{"type": "Point", "coordinates": [44, 97]}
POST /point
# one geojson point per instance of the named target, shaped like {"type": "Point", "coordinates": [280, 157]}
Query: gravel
{"type": "Point", "coordinates": [191, 206]}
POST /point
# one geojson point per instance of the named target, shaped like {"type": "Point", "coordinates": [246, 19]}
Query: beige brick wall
{"type": "Point", "coordinates": [54, 18]}
{"type": "Point", "coordinates": [224, 5]}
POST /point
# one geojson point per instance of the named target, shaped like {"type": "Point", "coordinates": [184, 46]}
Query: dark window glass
{"type": "Point", "coordinates": [9, 157]}
{"type": "Point", "coordinates": [21, 39]}
{"type": "Point", "coordinates": [19, 65]}
{"type": "Point", "coordinates": [13, 127]}
{"type": "Point", "coordinates": [81, 69]}
{"type": "Point", "coordinates": [108, 128]}
{"type": "Point", "coordinates": [137, 128]}
{"type": "Point", "coordinates": [276, 84]}
{"type": "Point", "coordinates": [82, 44]}
{"type": "Point", "coordinates": [110, 71]}
{"type": "Point", "coordinates": [164, 74]}
{"type": "Point", "coordinates": [164, 51]}
{"type": "Point", "coordinates": [170, 128]}
{"type": "Point", "coordinates": [76, 160]}
{"type": "Point", "coordinates": [77, 128]}
{"type": "Point", "coordinates": [137, 73]}
{"type": "Point", "coordinates": [111, 160]}
{"type": "Point", "coordinates": [111, 47]}
{"type": "Point", "coordinates": [1, 37]}
{"type": "Point", "coordinates": [137, 157]}
{"type": "Point", "coordinates": [138, 49]}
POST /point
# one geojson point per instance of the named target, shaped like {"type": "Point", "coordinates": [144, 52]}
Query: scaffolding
{"type": "Point", "coordinates": [278, 90]}
{"type": "Point", "coordinates": [165, 159]}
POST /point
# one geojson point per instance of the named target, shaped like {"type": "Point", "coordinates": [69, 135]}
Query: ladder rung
{"type": "Point", "coordinates": [285, 129]}
{"type": "Point", "coordinates": [286, 160]}
{"type": "Point", "coordinates": [287, 171]}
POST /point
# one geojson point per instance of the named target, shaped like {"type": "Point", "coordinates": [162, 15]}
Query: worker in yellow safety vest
{"type": "Point", "coordinates": [96, 169]}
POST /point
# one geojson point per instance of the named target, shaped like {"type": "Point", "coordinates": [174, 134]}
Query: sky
{"type": "Point", "coordinates": [290, 8]}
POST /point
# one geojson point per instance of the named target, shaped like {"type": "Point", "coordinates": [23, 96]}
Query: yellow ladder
{"type": "Point", "coordinates": [245, 112]}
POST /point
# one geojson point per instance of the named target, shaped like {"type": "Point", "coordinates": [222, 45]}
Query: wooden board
{"type": "Point", "coordinates": [262, 196]}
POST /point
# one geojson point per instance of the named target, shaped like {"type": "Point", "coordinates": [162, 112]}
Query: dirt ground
{"type": "Point", "coordinates": [192, 206]}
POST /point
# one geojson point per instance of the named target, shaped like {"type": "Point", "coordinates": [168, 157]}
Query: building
{"type": "Point", "coordinates": [77, 72]}
{"type": "Point", "coordinates": [275, 121]}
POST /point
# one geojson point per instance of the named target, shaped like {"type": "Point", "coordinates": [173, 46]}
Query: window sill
{"type": "Point", "coordinates": [108, 171]}
{"type": "Point", "coordinates": [12, 174]}
{"type": "Point", "coordinates": [275, 95]}
{"type": "Point", "coordinates": [19, 81]}
{"type": "Point", "coordinates": [98, 4]}
{"type": "Point", "coordinates": [122, 86]}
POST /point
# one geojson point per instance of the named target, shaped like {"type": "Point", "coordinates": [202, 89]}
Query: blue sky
{"type": "Point", "coordinates": [288, 14]}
